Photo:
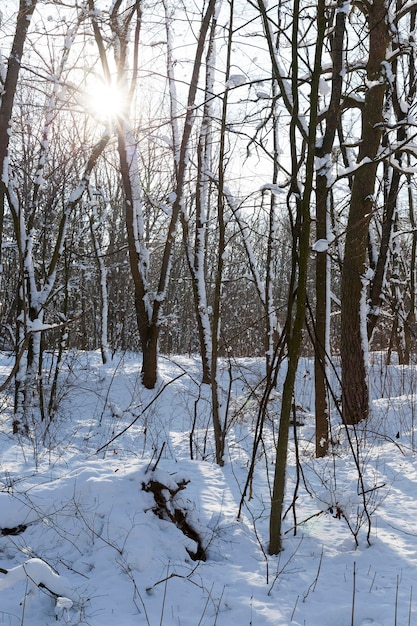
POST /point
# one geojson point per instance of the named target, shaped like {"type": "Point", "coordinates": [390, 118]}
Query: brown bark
{"type": "Point", "coordinates": [150, 375]}
{"type": "Point", "coordinates": [322, 287]}
{"type": "Point", "coordinates": [148, 317]}
{"type": "Point", "coordinates": [26, 9]}
{"type": "Point", "coordinates": [196, 255]}
{"type": "Point", "coordinates": [355, 396]}
{"type": "Point", "coordinates": [301, 244]}
{"type": "Point", "coordinates": [390, 200]}
{"type": "Point", "coordinates": [134, 257]}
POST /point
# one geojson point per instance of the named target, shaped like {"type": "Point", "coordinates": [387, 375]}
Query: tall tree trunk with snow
{"type": "Point", "coordinates": [36, 287]}
{"type": "Point", "coordinates": [354, 340]}
{"type": "Point", "coordinates": [397, 300]}
{"type": "Point", "coordinates": [396, 107]}
{"type": "Point", "coordinates": [24, 16]}
{"type": "Point", "coordinates": [218, 399]}
{"type": "Point", "coordinates": [197, 260]}
{"type": "Point", "coordinates": [102, 273]}
{"type": "Point", "coordinates": [138, 252]}
{"type": "Point", "coordinates": [322, 317]}
{"type": "Point", "coordinates": [149, 309]}
{"type": "Point", "coordinates": [273, 330]}
{"type": "Point", "coordinates": [178, 204]}
{"type": "Point", "coordinates": [33, 296]}
{"type": "Point", "coordinates": [301, 243]}
{"type": "Point", "coordinates": [196, 252]}
{"type": "Point", "coordinates": [411, 315]}
{"type": "Point", "coordinates": [400, 93]}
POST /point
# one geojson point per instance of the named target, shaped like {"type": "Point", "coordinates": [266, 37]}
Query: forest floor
{"type": "Point", "coordinates": [115, 513]}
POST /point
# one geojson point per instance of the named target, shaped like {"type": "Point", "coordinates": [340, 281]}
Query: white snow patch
{"type": "Point", "coordinates": [236, 80]}
{"type": "Point", "coordinates": [321, 245]}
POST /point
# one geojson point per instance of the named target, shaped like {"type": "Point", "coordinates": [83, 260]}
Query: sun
{"type": "Point", "coordinates": [107, 101]}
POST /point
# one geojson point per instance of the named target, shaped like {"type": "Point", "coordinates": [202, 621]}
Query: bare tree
{"type": "Point", "coordinates": [148, 308]}
{"type": "Point", "coordinates": [323, 232]}
{"type": "Point", "coordinates": [9, 85]}
{"type": "Point", "coordinates": [299, 197]}
{"type": "Point", "coordinates": [196, 254]}
{"type": "Point", "coordinates": [354, 340]}
{"type": "Point", "coordinates": [29, 196]}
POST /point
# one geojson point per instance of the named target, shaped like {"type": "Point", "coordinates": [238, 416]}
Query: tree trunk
{"type": "Point", "coordinates": [150, 358]}
{"type": "Point", "coordinates": [24, 16]}
{"type": "Point", "coordinates": [301, 244]}
{"type": "Point", "coordinates": [196, 254]}
{"type": "Point", "coordinates": [322, 318]}
{"type": "Point", "coordinates": [149, 313]}
{"type": "Point", "coordinates": [218, 401]}
{"type": "Point", "coordinates": [354, 341]}
{"type": "Point", "coordinates": [392, 179]}
{"type": "Point", "coordinates": [103, 291]}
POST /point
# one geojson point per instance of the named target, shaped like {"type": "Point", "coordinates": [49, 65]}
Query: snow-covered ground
{"type": "Point", "coordinates": [103, 512]}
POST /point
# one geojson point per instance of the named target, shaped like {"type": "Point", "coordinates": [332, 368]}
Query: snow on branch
{"type": "Point", "coordinates": [408, 7]}
{"type": "Point", "coordinates": [35, 573]}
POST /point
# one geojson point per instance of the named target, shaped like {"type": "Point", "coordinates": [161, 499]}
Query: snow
{"type": "Point", "coordinates": [39, 574]}
{"type": "Point", "coordinates": [69, 38]}
{"type": "Point", "coordinates": [344, 8]}
{"type": "Point", "coordinates": [38, 325]}
{"type": "Point", "coordinates": [321, 245]}
{"type": "Point", "coordinates": [275, 189]}
{"type": "Point", "coordinates": [82, 543]}
{"type": "Point", "coordinates": [5, 171]}
{"type": "Point", "coordinates": [324, 88]}
{"type": "Point", "coordinates": [263, 95]}
{"type": "Point", "coordinates": [236, 80]}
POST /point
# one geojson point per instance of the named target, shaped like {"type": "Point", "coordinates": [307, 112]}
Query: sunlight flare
{"type": "Point", "coordinates": [107, 101]}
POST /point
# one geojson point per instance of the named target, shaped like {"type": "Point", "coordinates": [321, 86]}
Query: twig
{"type": "Point", "coordinates": [206, 605]}
{"type": "Point", "coordinates": [218, 606]}
{"type": "Point", "coordinates": [295, 606]}
{"type": "Point", "coordinates": [313, 585]}
{"type": "Point", "coordinates": [284, 567]}
{"type": "Point", "coordinates": [16, 363]}
{"type": "Point", "coordinates": [409, 606]}
{"type": "Point", "coordinates": [159, 456]}
{"type": "Point", "coordinates": [396, 602]}
{"type": "Point", "coordinates": [165, 596]}
{"type": "Point", "coordinates": [141, 413]}
{"type": "Point", "coordinates": [353, 594]}
{"type": "Point", "coordinates": [23, 347]}
{"type": "Point", "coordinates": [174, 575]}
{"type": "Point", "coordinates": [304, 521]}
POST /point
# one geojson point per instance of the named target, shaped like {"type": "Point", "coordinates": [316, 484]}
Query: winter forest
{"type": "Point", "coordinates": [208, 260]}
